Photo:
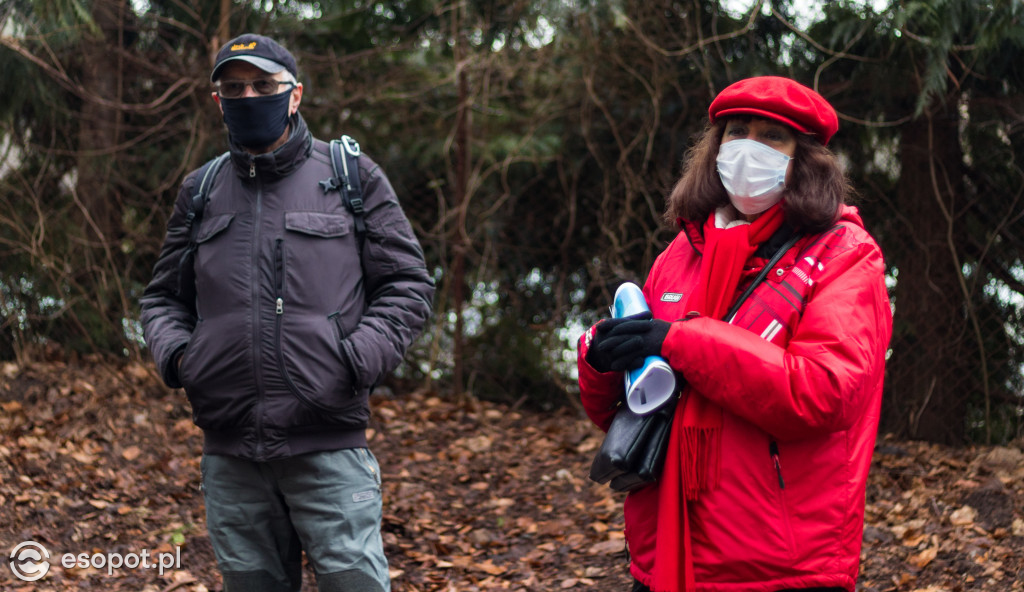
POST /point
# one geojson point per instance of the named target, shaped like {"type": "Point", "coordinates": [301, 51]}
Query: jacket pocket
{"type": "Point", "coordinates": [339, 327]}
{"type": "Point", "coordinates": [183, 361]}
{"type": "Point", "coordinates": [319, 376]}
{"type": "Point", "coordinates": [208, 262]}
{"type": "Point", "coordinates": [317, 224]}
{"type": "Point", "coordinates": [315, 266]}
{"type": "Point", "coordinates": [213, 226]}
{"type": "Point", "coordinates": [218, 387]}
{"type": "Point", "coordinates": [322, 270]}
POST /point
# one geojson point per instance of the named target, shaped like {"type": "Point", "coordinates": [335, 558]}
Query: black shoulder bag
{"type": "Point", "coordinates": [633, 450]}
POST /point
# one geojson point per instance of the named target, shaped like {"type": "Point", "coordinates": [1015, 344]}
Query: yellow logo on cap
{"type": "Point", "coordinates": [241, 46]}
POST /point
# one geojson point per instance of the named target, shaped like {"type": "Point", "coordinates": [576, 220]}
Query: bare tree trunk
{"type": "Point", "coordinates": [98, 197]}
{"type": "Point", "coordinates": [458, 232]}
{"type": "Point", "coordinates": [100, 123]}
{"type": "Point", "coordinates": [930, 307]}
{"type": "Point", "coordinates": [223, 30]}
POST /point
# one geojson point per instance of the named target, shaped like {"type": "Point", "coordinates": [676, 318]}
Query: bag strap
{"type": "Point", "coordinates": [345, 162]}
{"type": "Point", "coordinates": [761, 275]}
{"type": "Point", "coordinates": [207, 173]}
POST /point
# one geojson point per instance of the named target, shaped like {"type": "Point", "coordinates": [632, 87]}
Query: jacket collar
{"type": "Point", "coordinates": [280, 163]}
{"type": "Point", "coordinates": [695, 234]}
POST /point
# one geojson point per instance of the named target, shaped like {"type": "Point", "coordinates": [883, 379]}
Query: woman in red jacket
{"type": "Point", "coordinates": [767, 463]}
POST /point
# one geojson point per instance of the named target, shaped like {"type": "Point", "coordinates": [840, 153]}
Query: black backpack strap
{"type": "Point", "coordinates": [345, 162]}
{"type": "Point", "coordinates": [200, 195]}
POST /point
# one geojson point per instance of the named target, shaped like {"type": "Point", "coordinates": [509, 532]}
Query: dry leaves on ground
{"type": "Point", "coordinates": [96, 459]}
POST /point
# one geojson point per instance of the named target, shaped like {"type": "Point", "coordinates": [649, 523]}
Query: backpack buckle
{"type": "Point", "coordinates": [350, 144]}
{"type": "Point", "coordinates": [330, 184]}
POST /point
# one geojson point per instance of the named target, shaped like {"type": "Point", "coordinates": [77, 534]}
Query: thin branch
{"type": "Point", "coordinates": [700, 44]}
{"type": "Point", "coordinates": [159, 104]}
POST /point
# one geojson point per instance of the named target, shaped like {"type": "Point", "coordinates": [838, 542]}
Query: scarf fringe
{"type": "Point", "coordinates": [702, 446]}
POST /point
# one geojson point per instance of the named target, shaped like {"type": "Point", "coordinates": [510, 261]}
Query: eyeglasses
{"type": "Point", "coordinates": [232, 89]}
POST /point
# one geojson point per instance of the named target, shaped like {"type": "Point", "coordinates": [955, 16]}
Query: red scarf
{"type": "Point", "coordinates": [693, 459]}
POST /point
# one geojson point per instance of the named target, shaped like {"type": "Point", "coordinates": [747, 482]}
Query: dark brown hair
{"type": "Point", "coordinates": [812, 200]}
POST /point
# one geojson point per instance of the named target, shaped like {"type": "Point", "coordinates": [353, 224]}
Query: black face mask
{"type": "Point", "coordinates": [256, 122]}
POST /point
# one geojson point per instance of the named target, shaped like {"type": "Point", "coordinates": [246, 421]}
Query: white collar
{"type": "Point", "coordinates": [728, 217]}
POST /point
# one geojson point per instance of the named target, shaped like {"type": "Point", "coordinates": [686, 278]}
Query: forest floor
{"type": "Point", "coordinates": [97, 461]}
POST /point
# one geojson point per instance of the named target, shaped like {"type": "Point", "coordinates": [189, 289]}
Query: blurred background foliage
{"type": "Point", "coordinates": [532, 143]}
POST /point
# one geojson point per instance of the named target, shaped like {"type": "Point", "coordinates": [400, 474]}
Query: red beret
{"type": "Point", "coordinates": [781, 99]}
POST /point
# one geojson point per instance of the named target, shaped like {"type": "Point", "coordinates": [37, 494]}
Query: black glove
{"type": "Point", "coordinates": [623, 343]}
{"type": "Point", "coordinates": [601, 357]}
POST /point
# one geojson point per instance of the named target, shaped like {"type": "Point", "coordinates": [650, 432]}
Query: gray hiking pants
{"type": "Point", "coordinates": [262, 515]}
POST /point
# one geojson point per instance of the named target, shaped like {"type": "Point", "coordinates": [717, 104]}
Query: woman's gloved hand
{"type": "Point", "coordinates": [623, 343]}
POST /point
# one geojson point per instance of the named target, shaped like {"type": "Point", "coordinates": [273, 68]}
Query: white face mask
{"type": "Point", "coordinates": [754, 174]}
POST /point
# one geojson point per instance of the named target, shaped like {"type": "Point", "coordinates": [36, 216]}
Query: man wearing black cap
{"type": "Point", "coordinates": [289, 317]}
{"type": "Point", "coordinates": [250, 73]}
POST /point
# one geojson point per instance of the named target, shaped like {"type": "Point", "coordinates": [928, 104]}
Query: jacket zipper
{"type": "Point", "coordinates": [773, 449]}
{"type": "Point", "coordinates": [279, 314]}
{"type": "Point", "coordinates": [279, 279]}
{"type": "Point", "coordinates": [787, 527]}
{"type": "Point", "coordinates": [256, 349]}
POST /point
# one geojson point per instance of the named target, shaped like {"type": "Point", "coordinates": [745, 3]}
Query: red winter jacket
{"type": "Point", "coordinates": [798, 375]}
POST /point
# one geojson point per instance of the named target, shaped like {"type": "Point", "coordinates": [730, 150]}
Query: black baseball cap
{"type": "Point", "coordinates": [262, 52]}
